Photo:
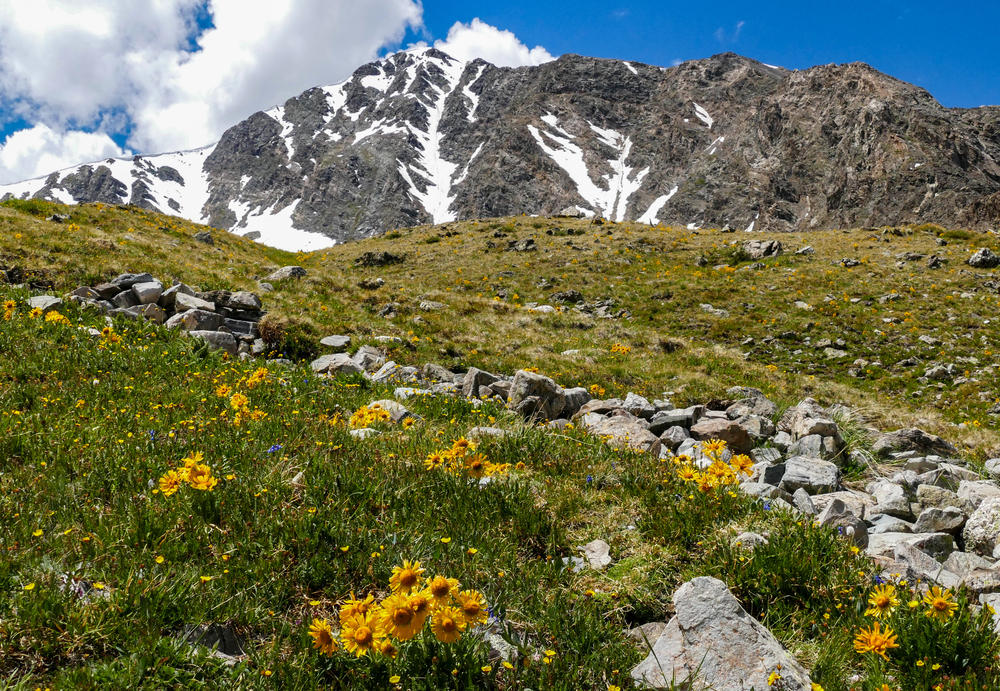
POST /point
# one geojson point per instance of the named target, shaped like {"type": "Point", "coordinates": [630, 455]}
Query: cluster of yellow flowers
{"type": "Point", "coordinates": [368, 415]}
{"type": "Point", "coordinates": [9, 307]}
{"type": "Point", "coordinates": [369, 626]}
{"type": "Point", "coordinates": [597, 391]}
{"type": "Point", "coordinates": [882, 603]}
{"type": "Point", "coordinates": [54, 317]}
{"type": "Point", "coordinates": [719, 473]}
{"type": "Point", "coordinates": [240, 402]}
{"type": "Point", "coordinates": [462, 459]}
{"type": "Point", "coordinates": [193, 472]}
{"type": "Point", "coordinates": [619, 349]}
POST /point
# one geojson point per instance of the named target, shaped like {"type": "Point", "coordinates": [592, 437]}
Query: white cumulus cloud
{"type": "Point", "coordinates": [40, 150]}
{"type": "Point", "coordinates": [145, 69]}
{"type": "Point", "coordinates": [477, 39]}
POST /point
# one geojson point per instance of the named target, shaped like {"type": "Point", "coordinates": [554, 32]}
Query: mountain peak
{"type": "Point", "coordinates": [420, 137]}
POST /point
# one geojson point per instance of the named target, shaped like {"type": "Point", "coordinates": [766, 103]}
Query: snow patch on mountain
{"type": "Point", "coordinates": [437, 174]}
{"type": "Point", "coordinates": [703, 115]}
{"type": "Point", "coordinates": [650, 216]}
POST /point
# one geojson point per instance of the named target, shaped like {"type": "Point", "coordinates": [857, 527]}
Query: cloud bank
{"type": "Point", "coordinates": [79, 71]}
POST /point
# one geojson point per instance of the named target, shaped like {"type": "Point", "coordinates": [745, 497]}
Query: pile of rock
{"type": "Point", "coordinates": [934, 519]}
{"type": "Point", "coordinates": [224, 319]}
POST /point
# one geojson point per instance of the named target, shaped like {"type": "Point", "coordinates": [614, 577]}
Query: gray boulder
{"type": "Point", "coordinates": [737, 439]}
{"type": "Point", "coordinates": [218, 340]}
{"type": "Point", "coordinates": [934, 520]}
{"type": "Point", "coordinates": [984, 259]}
{"type": "Point", "coordinates": [837, 516]}
{"type": "Point", "coordinates": [184, 302]}
{"type": "Point", "coordinates": [126, 281]}
{"type": "Point", "coordinates": [338, 363]}
{"type": "Point", "coordinates": [623, 432]}
{"type": "Point", "coordinates": [913, 440]}
{"type": "Point", "coordinates": [46, 303]}
{"type": "Point", "coordinates": [576, 398]}
{"type": "Point", "coordinates": [286, 272]}
{"type": "Point", "coordinates": [147, 293]}
{"type": "Point", "coordinates": [975, 492]}
{"type": "Point", "coordinates": [638, 406]}
{"type": "Point", "coordinates": [475, 379]}
{"type": "Point", "coordinates": [244, 300]}
{"type": "Point", "coordinates": [813, 475]}
{"type": "Point", "coordinates": [534, 395]}
{"type": "Point", "coordinates": [713, 639]}
{"type": "Point", "coordinates": [673, 437]}
{"type": "Point", "coordinates": [369, 358]}
{"type": "Point", "coordinates": [169, 296]}
{"type": "Point", "coordinates": [196, 320]}
{"type": "Point", "coordinates": [762, 249]}
{"type": "Point", "coordinates": [336, 342]}
{"type": "Point", "coordinates": [982, 530]}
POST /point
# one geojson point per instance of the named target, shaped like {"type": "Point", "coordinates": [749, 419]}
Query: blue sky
{"type": "Point", "coordinates": [950, 49]}
{"type": "Point", "coordinates": [81, 80]}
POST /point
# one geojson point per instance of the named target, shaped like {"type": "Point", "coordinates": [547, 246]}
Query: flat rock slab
{"type": "Point", "coordinates": [46, 303]}
{"type": "Point", "coordinates": [715, 641]}
{"type": "Point", "coordinates": [340, 363]}
{"type": "Point", "coordinates": [336, 342]}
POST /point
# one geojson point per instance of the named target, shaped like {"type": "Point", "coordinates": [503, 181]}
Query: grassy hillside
{"type": "Point", "coordinates": [105, 567]}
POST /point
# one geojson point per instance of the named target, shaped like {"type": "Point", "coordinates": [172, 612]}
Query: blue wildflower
{"type": "Point", "coordinates": [276, 447]}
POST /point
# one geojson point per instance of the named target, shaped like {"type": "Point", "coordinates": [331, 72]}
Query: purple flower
{"type": "Point", "coordinates": [590, 478]}
{"type": "Point", "coordinates": [276, 447]}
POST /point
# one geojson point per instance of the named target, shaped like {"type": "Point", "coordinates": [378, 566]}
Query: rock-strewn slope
{"type": "Point", "coordinates": [420, 137]}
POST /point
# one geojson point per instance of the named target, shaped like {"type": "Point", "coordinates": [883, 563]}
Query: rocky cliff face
{"type": "Point", "coordinates": [420, 137]}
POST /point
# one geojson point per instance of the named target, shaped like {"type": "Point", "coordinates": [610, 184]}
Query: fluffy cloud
{"type": "Point", "coordinates": [40, 150]}
{"type": "Point", "coordinates": [480, 40]}
{"type": "Point", "coordinates": [149, 69]}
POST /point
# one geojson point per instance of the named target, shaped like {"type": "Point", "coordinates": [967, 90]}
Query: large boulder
{"type": "Point", "coordinates": [982, 530]}
{"type": "Point", "coordinates": [813, 475]}
{"type": "Point", "coordinates": [913, 439]}
{"type": "Point", "coordinates": [737, 439]}
{"type": "Point", "coordinates": [184, 302]}
{"type": "Point", "coordinates": [714, 640]}
{"type": "Point", "coordinates": [622, 431]}
{"type": "Point", "coordinates": [535, 395]}
{"type": "Point", "coordinates": [762, 249]}
{"type": "Point", "coordinates": [984, 259]}
{"type": "Point", "coordinates": [839, 517]}
{"type": "Point", "coordinates": [338, 363]}
{"type": "Point", "coordinates": [475, 379]}
{"type": "Point", "coordinates": [576, 398]}
{"type": "Point", "coordinates": [218, 340]}
{"type": "Point", "coordinates": [147, 293]}
{"type": "Point", "coordinates": [196, 320]}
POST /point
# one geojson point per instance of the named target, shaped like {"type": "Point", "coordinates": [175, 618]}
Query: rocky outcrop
{"type": "Point", "coordinates": [712, 639]}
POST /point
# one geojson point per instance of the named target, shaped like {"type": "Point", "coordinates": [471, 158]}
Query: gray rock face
{"type": "Point", "coordinates": [737, 439]}
{"type": "Point", "coordinates": [914, 440]}
{"type": "Point", "coordinates": [811, 474]}
{"type": "Point", "coordinates": [532, 395]}
{"type": "Point", "coordinates": [624, 432]}
{"type": "Point", "coordinates": [474, 380]}
{"type": "Point", "coordinates": [982, 531]}
{"type": "Point", "coordinates": [344, 160]}
{"type": "Point", "coordinates": [762, 249]}
{"type": "Point", "coordinates": [576, 398]}
{"type": "Point", "coordinates": [984, 259]}
{"type": "Point", "coordinates": [184, 302]}
{"type": "Point", "coordinates": [597, 554]}
{"type": "Point", "coordinates": [147, 293]}
{"type": "Point", "coordinates": [196, 320]}
{"type": "Point", "coordinates": [837, 516]}
{"type": "Point", "coordinates": [712, 637]}
{"type": "Point", "coordinates": [947, 520]}
{"type": "Point", "coordinates": [218, 340]}
{"type": "Point", "coordinates": [338, 363]}
{"type": "Point", "coordinates": [244, 300]}
{"type": "Point", "coordinates": [46, 303]}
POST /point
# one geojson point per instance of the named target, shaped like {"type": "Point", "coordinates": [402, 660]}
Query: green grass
{"type": "Point", "coordinates": [88, 426]}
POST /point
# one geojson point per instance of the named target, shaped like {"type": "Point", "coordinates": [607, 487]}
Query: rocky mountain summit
{"type": "Point", "coordinates": [420, 137]}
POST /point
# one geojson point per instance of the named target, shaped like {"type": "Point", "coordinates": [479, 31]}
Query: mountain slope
{"type": "Point", "coordinates": [422, 138]}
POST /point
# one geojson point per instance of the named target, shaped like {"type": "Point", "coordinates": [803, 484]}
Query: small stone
{"type": "Point", "coordinates": [147, 293]}
{"type": "Point", "coordinates": [811, 474]}
{"type": "Point", "coordinates": [46, 303]}
{"type": "Point", "coordinates": [597, 554]}
{"type": "Point", "coordinates": [339, 363]}
{"type": "Point", "coordinates": [218, 340]}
